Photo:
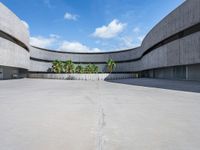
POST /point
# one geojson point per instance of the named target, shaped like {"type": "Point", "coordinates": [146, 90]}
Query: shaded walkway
{"type": "Point", "coordinates": [187, 86]}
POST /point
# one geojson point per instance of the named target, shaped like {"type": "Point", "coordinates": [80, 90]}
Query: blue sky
{"type": "Point", "coordinates": [90, 25]}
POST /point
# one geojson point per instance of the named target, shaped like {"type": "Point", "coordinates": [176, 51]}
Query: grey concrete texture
{"type": "Point", "coordinates": [13, 55]}
{"type": "Point", "coordinates": [193, 72]}
{"type": "Point", "coordinates": [8, 72]}
{"type": "Point", "coordinates": [184, 51]}
{"type": "Point", "coordinates": [79, 57]}
{"type": "Point", "coordinates": [80, 115]}
{"type": "Point", "coordinates": [39, 66]}
{"type": "Point", "coordinates": [74, 76]}
{"type": "Point", "coordinates": [181, 18]}
{"type": "Point", "coordinates": [190, 49]}
{"type": "Point", "coordinates": [12, 25]}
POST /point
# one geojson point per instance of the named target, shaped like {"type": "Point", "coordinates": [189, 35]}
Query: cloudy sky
{"type": "Point", "coordinates": [90, 25]}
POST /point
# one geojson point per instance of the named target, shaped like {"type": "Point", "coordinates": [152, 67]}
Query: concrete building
{"type": "Point", "coordinates": [170, 50]}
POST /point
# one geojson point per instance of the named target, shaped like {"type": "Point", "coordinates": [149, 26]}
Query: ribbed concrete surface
{"type": "Point", "coordinates": [93, 77]}
{"type": "Point", "coordinates": [138, 114]}
{"type": "Point", "coordinates": [11, 53]}
{"type": "Point", "coordinates": [12, 25]}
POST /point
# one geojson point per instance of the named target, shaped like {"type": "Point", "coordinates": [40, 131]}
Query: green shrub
{"type": "Point", "coordinates": [79, 69]}
{"type": "Point", "coordinates": [91, 68]}
{"type": "Point", "coordinates": [69, 66]}
{"type": "Point", "coordinates": [87, 69]}
{"type": "Point", "coordinates": [95, 69]}
{"type": "Point", "coordinates": [57, 66]}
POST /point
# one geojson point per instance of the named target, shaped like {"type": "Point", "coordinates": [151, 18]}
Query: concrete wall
{"type": "Point", "coordinates": [193, 72]}
{"type": "Point", "coordinates": [81, 76]}
{"type": "Point", "coordinates": [12, 25]}
{"type": "Point", "coordinates": [14, 42]}
{"type": "Point", "coordinates": [13, 55]}
{"type": "Point", "coordinates": [184, 50]}
{"type": "Point", "coordinates": [179, 19]}
{"type": "Point", "coordinates": [174, 43]}
{"type": "Point", "coordinates": [9, 72]}
{"type": "Point", "coordinates": [41, 59]}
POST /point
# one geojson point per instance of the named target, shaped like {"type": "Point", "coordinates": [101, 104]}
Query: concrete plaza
{"type": "Point", "coordinates": [133, 114]}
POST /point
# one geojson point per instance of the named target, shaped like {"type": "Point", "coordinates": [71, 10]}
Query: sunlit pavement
{"type": "Point", "coordinates": [137, 114]}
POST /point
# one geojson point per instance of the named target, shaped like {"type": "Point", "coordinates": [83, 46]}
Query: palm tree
{"type": "Point", "coordinates": [88, 69]}
{"type": "Point", "coordinates": [111, 65]}
{"type": "Point", "coordinates": [95, 69]}
{"type": "Point", "coordinates": [69, 66]}
{"type": "Point", "coordinates": [57, 66]}
{"type": "Point", "coordinates": [79, 69]}
{"type": "Point", "coordinates": [91, 68]}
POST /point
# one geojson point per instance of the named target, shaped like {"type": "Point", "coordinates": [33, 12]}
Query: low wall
{"type": "Point", "coordinates": [81, 76]}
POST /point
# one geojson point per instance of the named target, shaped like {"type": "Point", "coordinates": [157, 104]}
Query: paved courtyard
{"type": "Point", "coordinates": [135, 114]}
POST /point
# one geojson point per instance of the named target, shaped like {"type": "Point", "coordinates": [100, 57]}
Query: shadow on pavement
{"type": "Point", "coordinates": [187, 86]}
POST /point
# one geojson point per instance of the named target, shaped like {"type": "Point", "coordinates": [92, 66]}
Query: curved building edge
{"type": "Point", "coordinates": [14, 45]}
{"type": "Point", "coordinates": [170, 50]}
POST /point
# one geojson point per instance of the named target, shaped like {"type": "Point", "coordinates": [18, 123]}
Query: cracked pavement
{"type": "Point", "coordinates": [38, 114]}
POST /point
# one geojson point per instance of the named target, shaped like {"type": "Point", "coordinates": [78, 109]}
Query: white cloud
{"type": "Point", "coordinates": [141, 38]}
{"type": "Point", "coordinates": [25, 23]}
{"type": "Point", "coordinates": [54, 36]}
{"type": "Point", "coordinates": [136, 29]}
{"type": "Point", "coordinates": [53, 41]}
{"type": "Point", "coordinates": [110, 31]}
{"type": "Point", "coordinates": [76, 46]}
{"type": "Point", "coordinates": [128, 42]}
{"type": "Point", "coordinates": [69, 16]}
{"type": "Point", "coordinates": [43, 42]}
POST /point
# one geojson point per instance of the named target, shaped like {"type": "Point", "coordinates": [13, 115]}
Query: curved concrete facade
{"type": "Point", "coordinates": [14, 43]}
{"type": "Point", "coordinates": [170, 50]}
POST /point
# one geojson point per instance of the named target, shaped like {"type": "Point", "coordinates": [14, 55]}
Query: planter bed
{"type": "Point", "coordinates": [103, 76]}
